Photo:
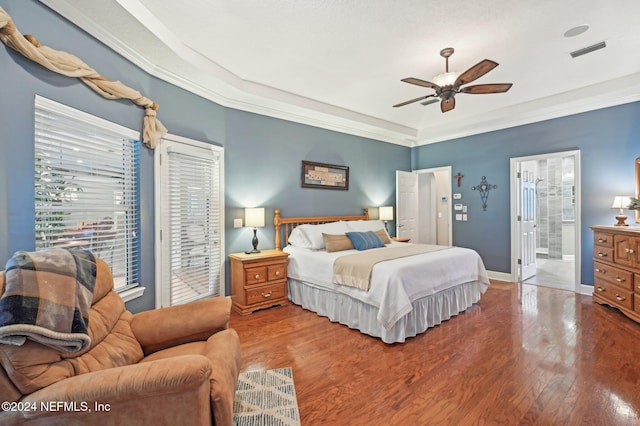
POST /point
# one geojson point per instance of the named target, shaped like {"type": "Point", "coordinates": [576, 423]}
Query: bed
{"type": "Point", "coordinates": [412, 288]}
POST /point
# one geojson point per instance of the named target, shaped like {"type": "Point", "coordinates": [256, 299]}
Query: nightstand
{"type": "Point", "coordinates": [258, 280]}
{"type": "Point", "coordinates": [401, 239]}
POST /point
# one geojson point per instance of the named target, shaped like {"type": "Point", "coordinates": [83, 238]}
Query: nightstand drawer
{"type": "Point", "coordinates": [277, 272]}
{"type": "Point", "coordinates": [603, 253]}
{"type": "Point", "coordinates": [255, 275]}
{"type": "Point", "coordinates": [620, 297]}
{"type": "Point", "coordinates": [603, 239]}
{"type": "Point", "coordinates": [265, 293]}
{"type": "Point", "coordinates": [613, 275]}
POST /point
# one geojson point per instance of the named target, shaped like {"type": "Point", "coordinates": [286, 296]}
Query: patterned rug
{"type": "Point", "coordinates": [266, 398]}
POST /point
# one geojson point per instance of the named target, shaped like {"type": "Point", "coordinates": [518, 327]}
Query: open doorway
{"type": "Point", "coordinates": [545, 217]}
{"type": "Point", "coordinates": [423, 205]}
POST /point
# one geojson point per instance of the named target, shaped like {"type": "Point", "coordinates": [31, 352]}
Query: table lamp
{"type": "Point", "coordinates": [386, 213]}
{"type": "Point", "coordinates": [621, 202]}
{"type": "Point", "coordinates": [254, 217]}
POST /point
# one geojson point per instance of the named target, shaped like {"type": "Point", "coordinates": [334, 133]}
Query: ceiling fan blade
{"type": "Point", "coordinates": [480, 89]}
{"type": "Point", "coordinates": [419, 82]}
{"type": "Point", "coordinates": [433, 100]}
{"type": "Point", "coordinates": [448, 104]}
{"type": "Point", "coordinates": [475, 72]}
{"type": "Point", "coordinates": [412, 101]}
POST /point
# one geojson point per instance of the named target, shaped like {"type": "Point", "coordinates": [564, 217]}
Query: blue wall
{"type": "Point", "coordinates": [262, 155]}
{"type": "Point", "coordinates": [609, 143]}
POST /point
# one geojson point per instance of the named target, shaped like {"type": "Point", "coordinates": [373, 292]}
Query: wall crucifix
{"type": "Point", "coordinates": [484, 189]}
{"type": "Point", "coordinates": [459, 177]}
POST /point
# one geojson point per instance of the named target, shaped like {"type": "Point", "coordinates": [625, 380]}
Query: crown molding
{"type": "Point", "coordinates": [217, 84]}
{"type": "Point", "coordinates": [620, 91]}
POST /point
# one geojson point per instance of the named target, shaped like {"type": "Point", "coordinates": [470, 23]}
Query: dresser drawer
{"type": "Point", "coordinates": [613, 275]}
{"type": "Point", "coordinates": [265, 293]}
{"type": "Point", "coordinates": [277, 272]}
{"type": "Point", "coordinates": [255, 275]}
{"type": "Point", "coordinates": [617, 295]}
{"type": "Point", "coordinates": [603, 253]}
{"type": "Point", "coordinates": [603, 239]}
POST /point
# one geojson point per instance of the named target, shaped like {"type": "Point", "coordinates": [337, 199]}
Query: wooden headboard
{"type": "Point", "coordinates": [289, 223]}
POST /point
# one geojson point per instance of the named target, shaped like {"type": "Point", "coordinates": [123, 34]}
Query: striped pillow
{"type": "Point", "coordinates": [365, 240]}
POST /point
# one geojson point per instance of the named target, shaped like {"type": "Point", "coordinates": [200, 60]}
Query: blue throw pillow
{"type": "Point", "coordinates": [365, 240]}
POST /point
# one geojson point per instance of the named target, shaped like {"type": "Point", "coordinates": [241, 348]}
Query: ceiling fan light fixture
{"type": "Point", "coordinates": [446, 79]}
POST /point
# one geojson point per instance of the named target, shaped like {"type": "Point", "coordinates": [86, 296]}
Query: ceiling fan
{"type": "Point", "coordinates": [449, 84]}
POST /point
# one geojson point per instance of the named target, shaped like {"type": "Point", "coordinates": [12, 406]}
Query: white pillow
{"type": "Point", "coordinates": [298, 237]}
{"type": "Point", "coordinates": [365, 225]}
{"type": "Point", "coordinates": [314, 232]}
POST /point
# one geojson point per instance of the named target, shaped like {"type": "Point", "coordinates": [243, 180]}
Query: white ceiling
{"type": "Point", "coordinates": [338, 64]}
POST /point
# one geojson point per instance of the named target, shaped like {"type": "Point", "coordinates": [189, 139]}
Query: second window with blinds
{"type": "Point", "coordinates": [189, 221]}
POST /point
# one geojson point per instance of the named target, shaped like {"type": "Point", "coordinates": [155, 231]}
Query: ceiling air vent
{"type": "Point", "coordinates": [588, 49]}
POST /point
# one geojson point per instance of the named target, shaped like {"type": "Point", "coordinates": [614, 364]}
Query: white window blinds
{"type": "Point", "coordinates": [191, 224]}
{"type": "Point", "coordinates": [86, 187]}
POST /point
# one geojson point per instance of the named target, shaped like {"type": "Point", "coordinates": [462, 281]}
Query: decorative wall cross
{"type": "Point", "coordinates": [459, 177]}
{"type": "Point", "coordinates": [484, 189]}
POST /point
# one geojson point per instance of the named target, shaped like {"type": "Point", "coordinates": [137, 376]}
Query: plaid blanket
{"type": "Point", "coordinates": [47, 298]}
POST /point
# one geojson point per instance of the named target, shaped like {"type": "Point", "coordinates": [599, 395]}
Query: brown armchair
{"type": "Point", "coordinates": [176, 365]}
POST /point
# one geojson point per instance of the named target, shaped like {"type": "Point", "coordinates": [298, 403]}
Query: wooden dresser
{"type": "Point", "coordinates": [258, 280]}
{"type": "Point", "coordinates": [617, 268]}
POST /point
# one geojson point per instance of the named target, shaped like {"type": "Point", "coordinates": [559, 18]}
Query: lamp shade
{"type": "Point", "coordinates": [386, 213]}
{"type": "Point", "coordinates": [621, 202]}
{"type": "Point", "coordinates": [254, 217]}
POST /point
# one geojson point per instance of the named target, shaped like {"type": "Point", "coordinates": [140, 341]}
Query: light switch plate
{"type": "Point", "coordinates": [458, 216]}
{"type": "Point", "coordinates": [237, 223]}
{"type": "Point", "coordinates": [457, 196]}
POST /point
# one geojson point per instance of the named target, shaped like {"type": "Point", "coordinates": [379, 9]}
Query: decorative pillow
{"type": "Point", "coordinates": [314, 232]}
{"type": "Point", "coordinates": [365, 240]}
{"type": "Point", "coordinates": [298, 238]}
{"type": "Point", "coordinates": [382, 233]}
{"type": "Point", "coordinates": [337, 242]}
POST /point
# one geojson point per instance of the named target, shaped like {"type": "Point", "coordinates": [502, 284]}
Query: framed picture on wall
{"type": "Point", "coordinates": [326, 176]}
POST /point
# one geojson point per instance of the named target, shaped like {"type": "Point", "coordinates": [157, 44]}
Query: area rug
{"type": "Point", "coordinates": [266, 398]}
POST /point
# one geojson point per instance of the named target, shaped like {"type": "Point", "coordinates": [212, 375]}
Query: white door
{"type": "Point", "coordinates": [189, 221]}
{"type": "Point", "coordinates": [527, 216]}
{"type": "Point", "coordinates": [407, 205]}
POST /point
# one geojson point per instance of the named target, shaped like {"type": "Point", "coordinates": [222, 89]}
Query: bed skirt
{"type": "Point", "coordinates": [427, 312]}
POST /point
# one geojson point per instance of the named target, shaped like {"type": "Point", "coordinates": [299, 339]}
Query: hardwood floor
{"type": "Point", "coordinates": [522, 355]}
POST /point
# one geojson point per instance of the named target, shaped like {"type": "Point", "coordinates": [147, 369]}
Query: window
{"type": "Point", "coordinates": [86, 187]}
{"type": "Point", "coordinates": [189, 221]}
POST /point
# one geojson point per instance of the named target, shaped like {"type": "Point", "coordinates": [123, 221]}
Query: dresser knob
{"type": "Point", "coordinates": [602, 240]}
{"type": "Point", "coordinates": [600, 289]}
{"type": "Point", "coordinates": [277, 273]}
{"type": "Point", "coordinates": [266, 295]}
{"type": "Point", "coordinates": [621, 299]}
{"type": "Point", "coordinates": [257, 277]}
{"type": "Point", "coordinates": [620, 280]}
{"type": "Point", "coordinates": [600, 254]}
{"type": "Point", "coordinates": [602, 271]}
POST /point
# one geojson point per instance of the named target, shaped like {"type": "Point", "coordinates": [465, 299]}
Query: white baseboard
{"type": "Point", "coordinates": [583, 289]}
{"type": "Point", "coordinates": [500, 276]}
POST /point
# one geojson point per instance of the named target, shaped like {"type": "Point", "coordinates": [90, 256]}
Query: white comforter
{"type": "Point", "coordinates": [395, 284]}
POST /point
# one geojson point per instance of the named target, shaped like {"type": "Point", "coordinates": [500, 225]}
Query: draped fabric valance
{"type": "Point", "coordinates": [72, 66]}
